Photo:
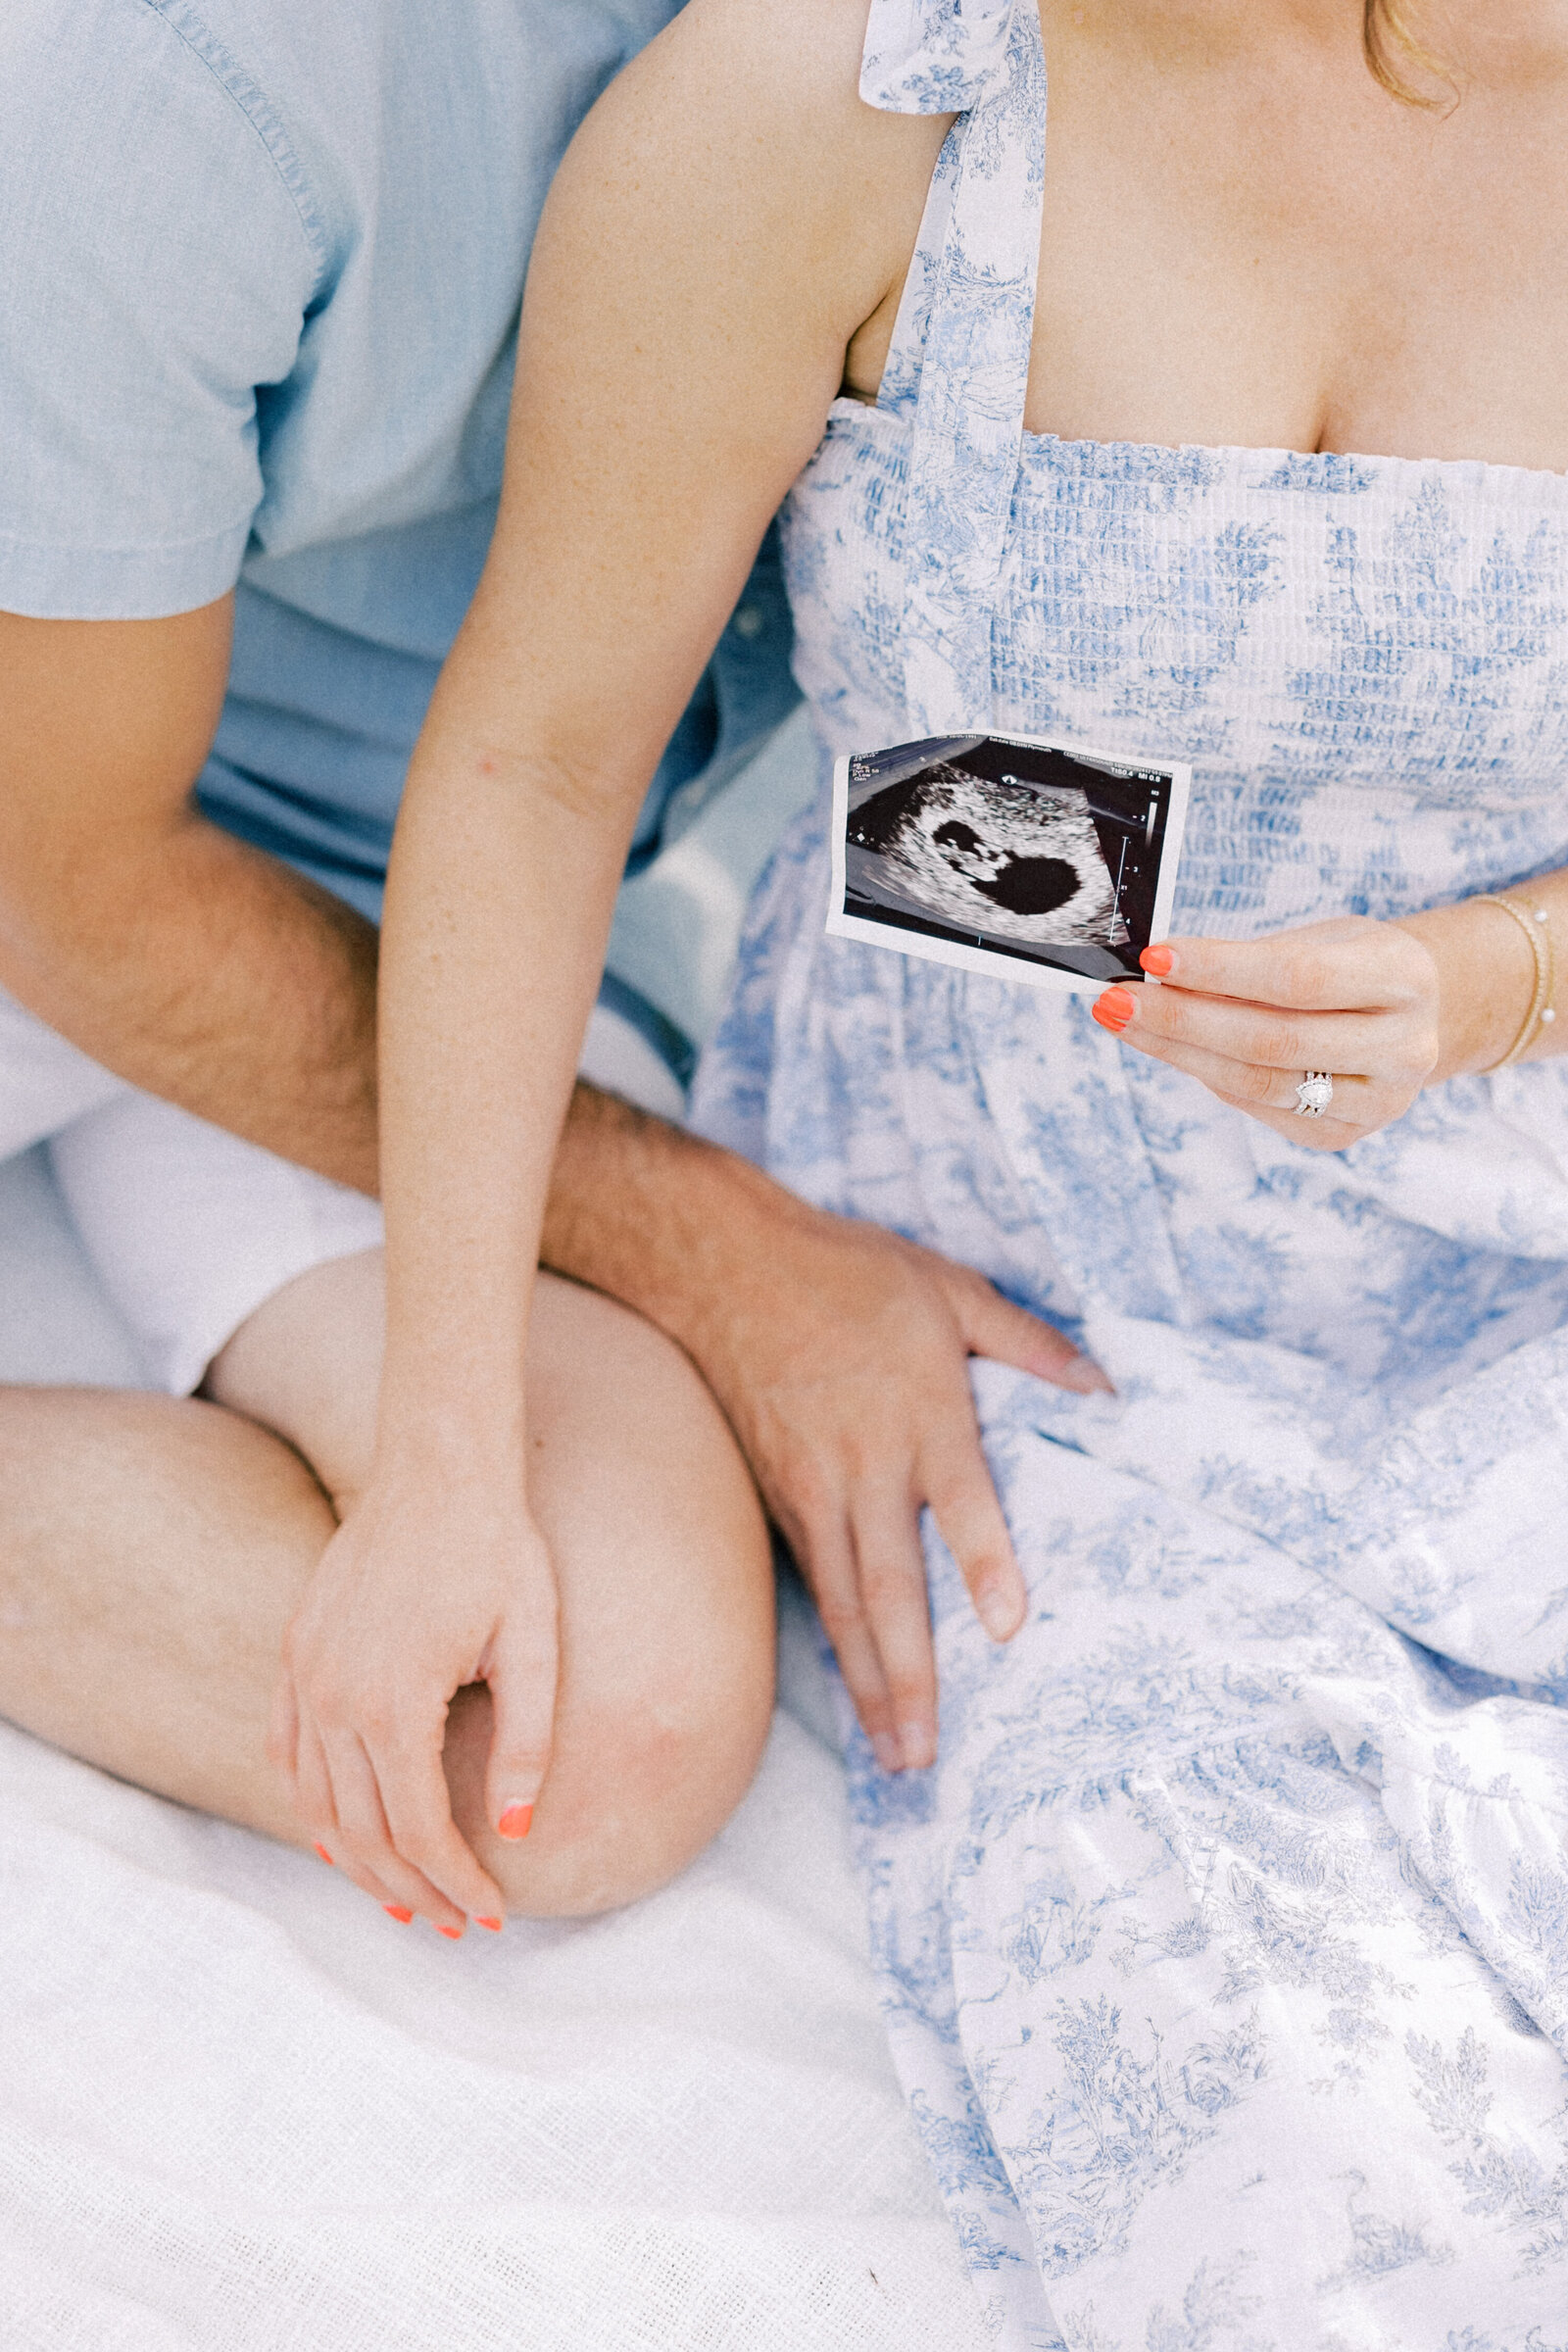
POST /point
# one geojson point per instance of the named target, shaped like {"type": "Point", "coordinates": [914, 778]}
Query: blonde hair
{"type": "Point", "coordinates": [1392, 47]}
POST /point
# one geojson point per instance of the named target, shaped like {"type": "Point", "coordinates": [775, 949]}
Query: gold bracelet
{"type": "Point", "coordinates": [1537, 930]}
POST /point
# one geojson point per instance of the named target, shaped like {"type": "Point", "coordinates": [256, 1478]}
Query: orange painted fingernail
{"type": "Point", "coordinates": [1113, 1010]}
{"type": "Point", "coordinates": [1158, 960]}
{"type": "Point", "coordinates": [452, 1935]}
{"type": "Point", "coordinates": [516, 1822]}
{"type": "Point", "coordinates": [327, 1857]}
{"type": "Point", "coordinates": [397, 1912]}
{"type": "Point", "coordinates": [494, 1925]}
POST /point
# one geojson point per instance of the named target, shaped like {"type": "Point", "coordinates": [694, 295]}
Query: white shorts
{"type": "Point", "coordinates": [188, 1229]}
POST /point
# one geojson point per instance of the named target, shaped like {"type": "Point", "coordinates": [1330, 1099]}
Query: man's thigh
{"type": "Point", "coordinates": [307, 1364]}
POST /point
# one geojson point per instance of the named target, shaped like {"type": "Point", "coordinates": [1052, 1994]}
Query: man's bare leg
{"type": "Point", "coordinates": [152, 1552]}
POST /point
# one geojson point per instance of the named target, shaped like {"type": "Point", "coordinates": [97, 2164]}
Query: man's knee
{"type": "Point", "coordinates": [640, 1784]}
{"type": "Point", "coordinates": [666, 1602]}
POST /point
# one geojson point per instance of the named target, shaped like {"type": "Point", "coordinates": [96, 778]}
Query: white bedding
{"type": "Point", "coordinates": [240, 2110]}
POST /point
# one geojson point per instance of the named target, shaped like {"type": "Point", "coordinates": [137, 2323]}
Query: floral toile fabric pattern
{"type": "Point", "coordinates": [1224, 1951]}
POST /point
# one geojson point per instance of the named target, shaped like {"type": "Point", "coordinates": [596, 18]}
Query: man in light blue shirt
{"type": "Point", "coordinates": [264, 261]}
{"type": "Point", "coordinates": [262, 267]}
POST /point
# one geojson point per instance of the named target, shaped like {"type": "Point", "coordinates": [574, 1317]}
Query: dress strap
{"type": "Point", "coordinates": [962, 341]}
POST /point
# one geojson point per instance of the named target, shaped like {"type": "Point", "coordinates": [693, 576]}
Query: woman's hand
{"type": "Point", "coordinates": [426, 1586]}
{"type": "Point", "coordinates": [1361, 1000]}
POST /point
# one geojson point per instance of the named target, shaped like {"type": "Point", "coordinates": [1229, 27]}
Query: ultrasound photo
{"type": "Point", "coordinates": [1008, 853]}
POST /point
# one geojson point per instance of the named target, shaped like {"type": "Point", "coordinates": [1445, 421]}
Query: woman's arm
{"type": "Point", "coordinates": [726, 220]}
{"type": "Point", "coordinates": [1386, 1009]}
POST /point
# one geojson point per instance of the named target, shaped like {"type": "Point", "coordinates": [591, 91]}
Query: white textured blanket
{"type": "Point", "coordinates": [240, 2111]}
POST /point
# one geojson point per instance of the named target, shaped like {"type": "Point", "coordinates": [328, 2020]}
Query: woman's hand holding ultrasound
{"type": "Point", "coordinates": [1357, 999]}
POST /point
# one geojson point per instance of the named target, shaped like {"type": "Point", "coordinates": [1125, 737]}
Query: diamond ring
{"type": "Point", "coordinates": [1314, 1095]}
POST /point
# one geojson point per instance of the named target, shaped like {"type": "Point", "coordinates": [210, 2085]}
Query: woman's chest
{"type": "Point", "coordinates": [1246, 242]}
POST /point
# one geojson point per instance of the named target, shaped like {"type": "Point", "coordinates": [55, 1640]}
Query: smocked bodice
{"type": "Point", "coordinates": [1364, 659]}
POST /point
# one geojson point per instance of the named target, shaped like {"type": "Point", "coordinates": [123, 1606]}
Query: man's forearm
{"type": "Point", "coordinates": [653, 1215]}
{"type": "Point", "coordinates": [212, 975]}
{"type": "Point", "coordinates": [219, 979]}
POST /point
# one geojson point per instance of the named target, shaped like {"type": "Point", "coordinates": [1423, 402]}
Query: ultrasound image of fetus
{"type": "Point", "coordinates": [1022, 862]}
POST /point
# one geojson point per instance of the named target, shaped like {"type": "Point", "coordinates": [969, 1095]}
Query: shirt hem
{"type": "Point", "coordinates": [44, 582]}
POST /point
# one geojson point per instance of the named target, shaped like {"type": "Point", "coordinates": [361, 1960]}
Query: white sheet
{"type": "Point", "coordinates": [242, 2111]}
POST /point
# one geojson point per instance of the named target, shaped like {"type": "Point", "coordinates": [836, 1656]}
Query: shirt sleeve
{"type": "Point", "coordinates": [159, 261]}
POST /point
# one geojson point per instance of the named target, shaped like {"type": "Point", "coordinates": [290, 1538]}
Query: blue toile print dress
{"type": "Point", "coordinates": [1225, 1950]}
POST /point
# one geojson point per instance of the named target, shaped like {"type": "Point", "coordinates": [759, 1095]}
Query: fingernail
{"type": "Point", "coordinates": [397, 1912]}
{"type": "Point", "coordinates": [494, 1925]}
{"type": "Point", "coordinates": [918, 1745]}
{"type": "Point", "coordinates": [516, 1822]}
{"type": "Point", "coordinates": [1086, 1376]}
{"type": "Point", "coordinates": [886, 1750]}
{"type": "Point", "coordinates": [327, 1857]}
{"type": "Point", "coordinates": [997, 1615]}
{"type": "Point", "coordinates": [1113, 1010]}
{"type": "Point", "coordinates": [452, 1935]}
{"type": "Point", "coordinates": [1158, 960]}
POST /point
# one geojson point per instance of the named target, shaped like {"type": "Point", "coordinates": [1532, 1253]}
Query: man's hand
{"type": "Point", "coordinates": [842, 1364]}
{"type": "Point", "coordinates": [839, 1353]}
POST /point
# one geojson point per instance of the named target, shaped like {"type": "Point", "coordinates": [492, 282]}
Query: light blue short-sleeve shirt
{"type": "Point", "coordinates": [263, 265]}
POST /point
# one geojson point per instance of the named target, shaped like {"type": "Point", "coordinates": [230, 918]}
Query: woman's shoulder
{"type": "Point", "coordinates": [742, 125]}
{"type": "Point", "coordinates": [806, 50]}
{"type": "Point", "coordinates": [786, 79]}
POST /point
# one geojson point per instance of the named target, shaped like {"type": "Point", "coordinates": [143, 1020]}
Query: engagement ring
{"type": "Point", "coordinates": [1314, 1095]}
